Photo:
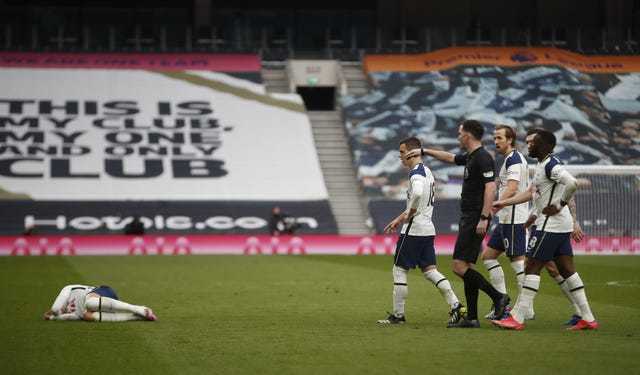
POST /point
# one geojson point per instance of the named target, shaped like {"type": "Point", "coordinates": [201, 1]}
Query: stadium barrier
{"type": "Point", "coordinates": [57, 245]}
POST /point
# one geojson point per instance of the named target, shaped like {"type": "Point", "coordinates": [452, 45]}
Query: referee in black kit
{"type": "Point", "coordinates": [478, 193]}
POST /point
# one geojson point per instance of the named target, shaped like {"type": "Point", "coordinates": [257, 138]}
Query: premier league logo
{"type": "Point", "coordinates": [523, 57]}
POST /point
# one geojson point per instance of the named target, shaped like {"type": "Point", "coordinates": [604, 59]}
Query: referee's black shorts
{"type": "Point", "coordinates": [468, 244]}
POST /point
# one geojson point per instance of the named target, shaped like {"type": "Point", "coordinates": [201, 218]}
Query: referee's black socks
{"type": "Point", "coordinates": [475, 280]}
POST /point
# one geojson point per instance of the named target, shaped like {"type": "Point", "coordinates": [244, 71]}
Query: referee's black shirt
{"type": "Point", "coordinates": [479, 168]}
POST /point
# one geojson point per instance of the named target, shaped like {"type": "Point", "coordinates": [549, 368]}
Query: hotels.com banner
{"type": "Point", "coordinates": [500, 56]}
{"type": "Point", "coordinates": [256, 245]}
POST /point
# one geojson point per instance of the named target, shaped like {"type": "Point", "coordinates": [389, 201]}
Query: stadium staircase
{"type": "Point", "coordinates": [345, 196]}
{"type": "Point", "coordinates": [357, 83]}
{"type": "Point", "coordinates": [275, 79]}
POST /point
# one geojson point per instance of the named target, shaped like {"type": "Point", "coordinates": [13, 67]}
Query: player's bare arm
{"type": "Point", "coordinates": [577, 234]}
{"type": "Point", "coordinates": [570, 187]}
{"type": "Point", "coordinates": [444, 156]}
{"type": "Point", "coordinates": [510, 190]}
{"type": "Point", "coordinates": [393, 224]}
{"type": "Point", "coordinates": [522, 197]}
{"type": "Point", "coordinates": [485, 218]}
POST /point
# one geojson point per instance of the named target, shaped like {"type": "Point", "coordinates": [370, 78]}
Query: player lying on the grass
{"type": "Point", "coordinates": [415, 244]}
{"type": "Point", "coordinates": [551, 241]}
{"type": "Point", "coordinates": [101, 304]}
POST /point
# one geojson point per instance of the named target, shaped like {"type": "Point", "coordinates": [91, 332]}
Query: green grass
{"type": "Point", "coordinates": [301, 314]}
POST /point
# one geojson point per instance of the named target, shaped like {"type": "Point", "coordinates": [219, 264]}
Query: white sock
{"type": "Point", "coordinates": [525, 299]}
{"type": "Point", "coordinates": [400, 290]}
{"type": "Point", "coordinates": [577, 290]}
{"type": "Point", "coordinates": [115, 317]}
{"type": "Point", "coordinates": [106, 304]}
{"type": "Point", "coordinates": [518, 268]}
{"type": "Point", "coordinates": [443, 285]}
{"type": "Point", "coordinates": [496, 275]}
{"type": "Point", "coordinates": [564, 287]}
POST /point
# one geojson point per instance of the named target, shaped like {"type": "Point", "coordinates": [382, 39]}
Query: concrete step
{"type": "Point", "coordinates": [327, 120]}
{"type": "Point", "coordinates": [347, 207]}
{"type": "Point", "coordinates": [334, 151]}
{"type": "Point", "coordinates": [335, 158]}
{"type": "Point", "coordinates": [328, 131]}
{"type": "Point", "coordinates": [320, 115]}
{"type": "Point", "coordinates": [357, 91]}
{"type": "Point", "coordinates": [346, 201]}
{"type": "Point", "coordinates": [348, 213]}
{"type": "Point", "coordinates": [322, 124]}
{"type": "Point", "coordinates": [338, 144]}
{"type": "Point", "coordinates": [328, 125]}
{"type": "Point", "coordinates": [352, 223]}
{"type": "Point", "coordinates": [351, 84]}
{"type": "Point", "coordinates": [321, 121]}
{"type": "Point", "coordinates": [273, 73]}
{"type": "Point", "coordinates": [324, 138]}
{"type": "Point", "coordinates": [339, 174]}
{"type": "Point", "coordinates": [330, 141]}
{"type": "Point", "coordinates": [354, 76]}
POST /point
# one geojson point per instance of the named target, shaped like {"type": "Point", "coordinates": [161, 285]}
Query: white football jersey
{"type": "Point", "coordinates": [422, 184]}
{"type": "Point", "coordinates": [515, 167]}
{"type": "Point", "coordinates": [71, 300]}
{"type": "Point", "coordinates": [549, 191]}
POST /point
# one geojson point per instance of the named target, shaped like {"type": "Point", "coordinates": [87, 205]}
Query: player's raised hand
{"type": "Point", "coordinates": [550, 210]}
{"type": "Point", "coordinates": [412, 153]}
{"type": "Point", "coordinates": [392, 226]}
{"type": "Point", "coordinates": [497, 206]}
{"type": "Point", "coordinates": [481, 228]}
{"type": "Point", "coordinates": [577, 234]}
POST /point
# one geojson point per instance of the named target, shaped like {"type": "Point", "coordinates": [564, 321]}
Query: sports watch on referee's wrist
{"type": "Point", "coordinates": [485, 217]}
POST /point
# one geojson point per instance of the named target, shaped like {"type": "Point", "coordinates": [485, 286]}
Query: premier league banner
{"type": "Point", "coordinates": [79, 132]}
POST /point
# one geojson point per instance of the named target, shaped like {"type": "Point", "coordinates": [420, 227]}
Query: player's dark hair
{"type": "Point", "coordinates": [547, 138]}
{"type": "Point", "coordinates": [508, 132]}
{"type": "Point", "coordinates": [532, 131]}
{"type": "Point", "coordinates": [412, 143]}
{"type": "Point", "coordinates": [474, 128]}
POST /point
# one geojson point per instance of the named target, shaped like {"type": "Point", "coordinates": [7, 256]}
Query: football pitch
{"type": "Point", "coordinates": [302, 315]}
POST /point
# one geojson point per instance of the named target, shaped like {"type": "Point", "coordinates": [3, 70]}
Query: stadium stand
{"type": "Point", "coordinates": [590, 104]}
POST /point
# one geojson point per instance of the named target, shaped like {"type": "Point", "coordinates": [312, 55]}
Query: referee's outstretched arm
{"type": "Point", "coordinates": [444, 156]}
